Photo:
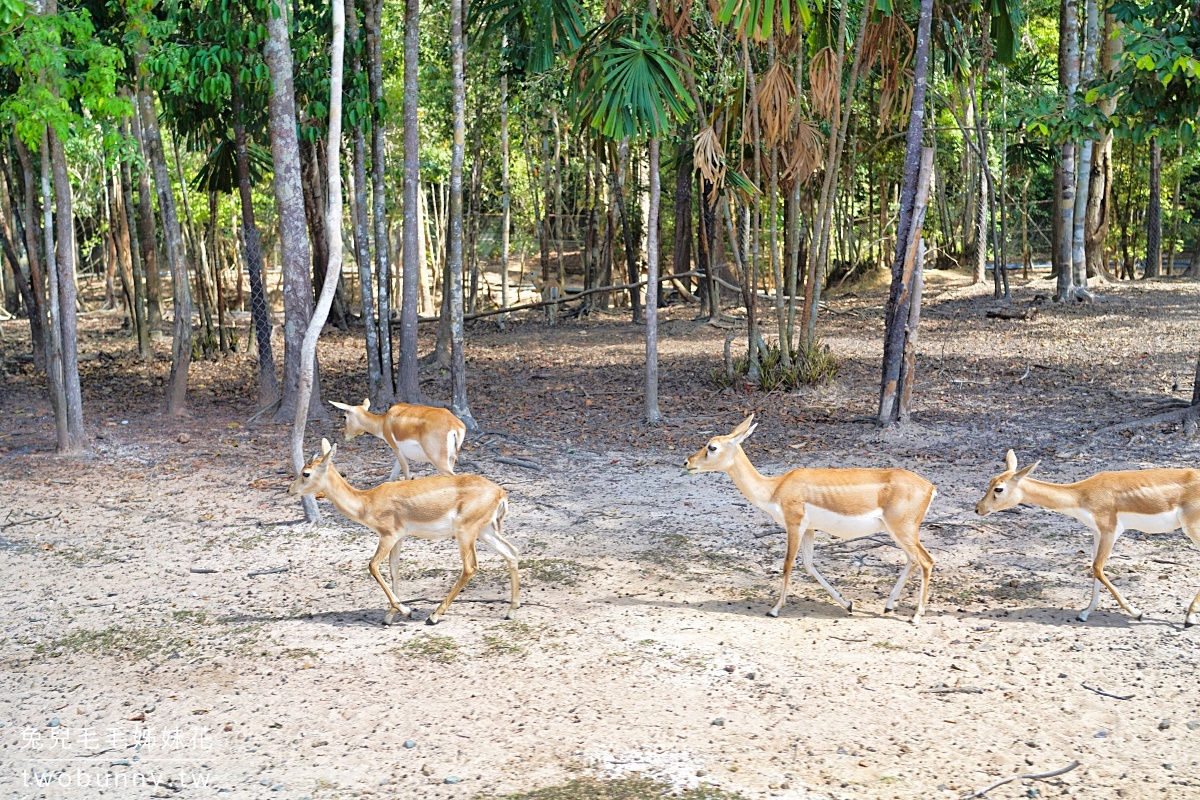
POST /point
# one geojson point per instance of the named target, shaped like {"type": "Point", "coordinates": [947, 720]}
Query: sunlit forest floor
{"type": "Point", "coordinates": [134, 640]}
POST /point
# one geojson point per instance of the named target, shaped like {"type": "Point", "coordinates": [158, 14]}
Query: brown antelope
{"type": "Point", "coordinates": [845, 503]}
{"type": "Point", "coordinates": [1147, 500]}
{"type": "Point", "coordinates": [466, 508]}
{"type": "Point", "coordinates": [422, 434]}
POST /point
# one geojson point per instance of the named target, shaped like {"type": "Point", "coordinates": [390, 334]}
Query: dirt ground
{"type": "Point", "coordinates": [136, 645]}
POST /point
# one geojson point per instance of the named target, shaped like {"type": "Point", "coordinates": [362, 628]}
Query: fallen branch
{"type": "Point", "coordinates": [8, 525]}
{"type": "Point", "coordinates": [1029, 776]}
{"type": "Point", "coordinates": [201, 571]}
{"type": "Point", "coordinates": [1103, 693]}
{"type": "Point", "coordinates": [953, 690]}
{"type": "Point", "coordinates": [1178, 415]}
{"type": "Point", "coordinates": [519, 462]}
{"type": "Point", "coordinates": [275, 571]}
{"type": "Point", "coordinates": [1012, 313]}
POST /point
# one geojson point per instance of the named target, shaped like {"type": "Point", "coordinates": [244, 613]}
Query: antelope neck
{"type": "Point", "coordinates": [1054, 496]}
{"type": "Point", "coordinates": [344, 497]}
{"type": "Point", "coordinates": [757, 488]}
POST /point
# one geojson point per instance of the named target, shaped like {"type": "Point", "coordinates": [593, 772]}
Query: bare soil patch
{"type": "Point", "coordinates": [642, 659]}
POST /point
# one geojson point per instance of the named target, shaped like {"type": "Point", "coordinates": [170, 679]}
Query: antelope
{"type": "Point", "coordinates": [423, 434]}
{"type": "Point", "coordinates": [467, 508]}
{"type": "Point", "coordinates": [845, 503]}
{"type": "Point", "coordinates": [1147, 500]}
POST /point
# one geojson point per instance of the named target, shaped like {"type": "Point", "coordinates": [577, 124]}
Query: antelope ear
{"type": "Point", "coordinates": [1010, 461]}
{"type": "Point", "coordinates": [325, 448]}
{"type": "Point", "coordinates": [342, 406]}
{"type": "Point", "coordinates": [743, 427]}
{"type": "Point", "coordinates": [366, 404]}
{"type": "Point", "coordinates": [743, 431]}
{"type": "Point", "coordinates": [1027, 470]}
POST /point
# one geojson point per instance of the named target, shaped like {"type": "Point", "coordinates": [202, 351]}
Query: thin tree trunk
{"type": "Point", "coordinates": [260, 312]}
{"type": "Point", "coordinates": [293, 233]}
{"type": "Point", "coordinates": [505, 199]}
{"type": "Point", "coordinates": [1084, 168]}
{"type": "Point", "coordinates": [37, 312]}
{"type": "Point", "coordinates": [54, 355]}
{"type": "Point", "coordinates": [383, 266]}
{"type": "Point", "coordinates": [918, 167]}
{"type": "Point", "coordinates": [1174, 240]}
{"type": "Point", "coordinates": [333, 228]}
{"type": "Point", "coordinates": [1066, 199]}
{"type": "Point", "coordinates": [653, 415]}
{"type": "Point", "coordinates": [407, 384]}
{"type": "Point", "coordinates": [362, 247]}
{"type": "Point", "coordinates": [458, 366]}
{"type": "Point", "coordinates": [181, 334]}
{"type": "Point", "coordinates": [147, 229]}
{"type": "Point", "coordinates": [128, 233]}
{"type": "Point", "coordinates": [1154, 213]}
{"type": "Point", "coordinates": [819, 245]}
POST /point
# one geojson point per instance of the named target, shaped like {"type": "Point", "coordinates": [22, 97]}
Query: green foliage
{"type": "Point", "coordinates": [631, 85]}
{"type": "Point", "coordinates": [812, 365]}
{"type": "Point", "coordinates": [1157, 81]}
{"type": "Point", "coordinates": [65, 76]}
{"type": "Point", "coordinates": [756, 18]}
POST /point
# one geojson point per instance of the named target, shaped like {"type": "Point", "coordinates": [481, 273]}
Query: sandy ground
{"type": "Point", "coordinates": [134, 641]}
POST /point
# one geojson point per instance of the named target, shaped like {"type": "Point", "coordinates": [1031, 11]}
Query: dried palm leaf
{"type": "Point", "coordinates": [612, 9]}
{"type": "Point", "coordinates": [803, 154]}
{"type": "Point", "coordinates": [824, 82]}
{"type": "Point", "coordinates": [709, 157]}
{"type": "Point", "coordinates": [776, 99]}
{"type": "Point", "coordinates": [676, 16]}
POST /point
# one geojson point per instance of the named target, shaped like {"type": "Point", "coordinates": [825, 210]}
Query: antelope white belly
{"type": "Point", "coordinates": [412, 451]}
{"type": "Point", "coordinates": [1165, 522]}
{"type": "Point", "coordinates": [843, 525]}
{"type": "Point", "coordinates": [432, 529]}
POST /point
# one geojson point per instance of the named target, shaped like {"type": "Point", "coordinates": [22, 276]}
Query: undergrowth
{"type": "Point", "coordinates": [811, 365]}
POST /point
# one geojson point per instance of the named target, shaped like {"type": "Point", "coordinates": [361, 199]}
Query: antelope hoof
{"type": "Point", "coordinates": [1139, 615]}
{"type": "Point", "coordinates": [916, 620]}
{"type": "Point", "coordinates": [390, 616]}
{"type": "Point", "coordinates": [850, 607]}
{"type": "Point", "coordinates": [511, 615]}
{"type": "Point", "coordinates": [1083, 615]}
{"type": "Point", "coordinates": [774, 612]}
{"type": "Point", "coordinates": [1189, 622]}
{"type": "Point", "coordinates": [888, 609]}
{"type": "Point", "coordinates": [433, 619]}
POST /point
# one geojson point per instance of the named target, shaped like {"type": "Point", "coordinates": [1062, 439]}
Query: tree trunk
{"type": "Point", "coordinates": [1173, 242]}
{"type": "Point", "coordinates": [627, 233]}
{"type": "Point", "coordinates": [1099, 209]}
{"type": "Point", "coordinates": [181, 333]}
{"type": "Point", "coordinates": [362, 245]}
{"type": "Point", "coordinates": [147, 230]}
{"type": "Point", "coordinates": [1066, 198]}
{"type": "Point", "coordinates": [37, 311]}
{"type": "Point", "coordinates": [681, 248]}
{"type": "Point", "coordinates": [260, 311]}
{"type": "Point", "coordinates": [454, 266]}
{"type": "Point", "coordinates": [819, 245]}
{"type": "Point", "coordinates": [54, 353]}
{"type": "Point", "coordinates": [289, 199]}
{"type": "Point", "coordinates": [407, 383]}
{"type": "Point", "coordinates": [383, 265]}
{"type": "Point", "coordinates": [126, 225]}
{"type": "Point", "coordinates": [1084, 170]}
{"type": "Point", "coordinates": [914, 195]}
{"type": "Point", "coordinates": [333, 231]}
{"type": "Point", "coordinates": [653, 415]}
{"type": "Point", "coordinates": [505, 199]}
{"type": "Point", "coordinates": [1154, 214]}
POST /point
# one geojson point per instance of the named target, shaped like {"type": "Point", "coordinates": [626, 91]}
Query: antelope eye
{"type": "Point", "coordinates": [306, 474]}
{"type": "Point", "coordinates": [712, 448]}
{"type": "Point", "coordinates": [999, 490]}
